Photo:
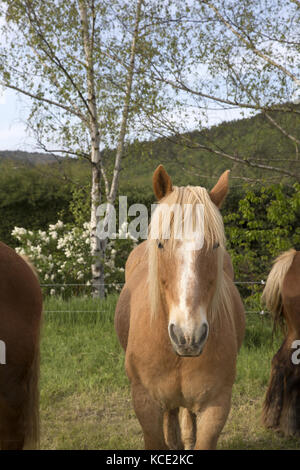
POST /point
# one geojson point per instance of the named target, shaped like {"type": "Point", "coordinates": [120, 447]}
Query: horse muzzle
{"type": "Point", "coordinates": [188, 344]}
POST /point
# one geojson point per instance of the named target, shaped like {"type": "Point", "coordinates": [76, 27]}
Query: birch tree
{"type": "Point", "coordinates": [76, 62]}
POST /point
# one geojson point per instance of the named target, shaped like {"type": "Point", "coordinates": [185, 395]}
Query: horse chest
{"type": "Point", "coordinates": [171, 382]}
{"type": "Point", "coordinates": [173, 391]}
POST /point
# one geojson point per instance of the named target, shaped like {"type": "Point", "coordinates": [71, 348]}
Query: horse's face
{"type": "Point", "coordinates": [188, 275]}
{"type": "Point", "coordinates": [188, 278]}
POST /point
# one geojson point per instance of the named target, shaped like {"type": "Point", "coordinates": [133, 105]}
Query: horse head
{"type": "Point", "coordinates": [186, 247]}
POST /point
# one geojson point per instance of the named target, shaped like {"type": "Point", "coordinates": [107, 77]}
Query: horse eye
{"type": "Point", "coordinates": [216, 245]}
{"type": "Point", "coordinates": [160, 245]}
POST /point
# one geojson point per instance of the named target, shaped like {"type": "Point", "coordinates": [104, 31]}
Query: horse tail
{"type": "Point", "coordinates": [31, 415]}
{"type": "Point", "coordinates": [271, 295]}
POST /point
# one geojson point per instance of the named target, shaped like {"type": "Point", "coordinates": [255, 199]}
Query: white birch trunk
{"type": "Point", "coordinates": [96, 252]}
{"type": "Point", "coordinates": [98, 247]}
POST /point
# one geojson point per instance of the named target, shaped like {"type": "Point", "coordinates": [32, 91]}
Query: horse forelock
{"type": "Point", "coordinates": [213, 233]}
{"type": "Point", "coordinates": [167, 223]}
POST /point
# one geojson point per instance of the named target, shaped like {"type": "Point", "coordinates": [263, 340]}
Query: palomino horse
{"type": "Point", "coordinates": [281, 410]}
{"type": "Point", "coordinates": [181, 321]}
{"type": "Point", "coordinates": [20, 317]}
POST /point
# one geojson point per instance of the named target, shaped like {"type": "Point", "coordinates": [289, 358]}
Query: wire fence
{"type": "Point", "coordinates": [60, 288]}
{"type": "Point", "coordinates": [122, 283]}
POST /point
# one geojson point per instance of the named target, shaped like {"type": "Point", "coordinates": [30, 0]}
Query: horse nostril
{"type": "Point", "coordinates": [176, 334]}
{"type": "Point", "coordinates": [172, 333]}
{"type": "Point", "coordinates": [190, 342]}
{"type": "Point", "coordinates": [182, 339]}
{"type": "Point", "coordinates": [204, 329]}
{"type": "Point", "coordinates": [199, 338]}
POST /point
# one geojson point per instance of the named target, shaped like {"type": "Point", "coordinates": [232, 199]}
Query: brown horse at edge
{"type": "Point", "coordinates": [281, 409]}
{"type": "Point", "coordinates": [181, 321]}
{"type": "Point", "coordinates": [20, 319]}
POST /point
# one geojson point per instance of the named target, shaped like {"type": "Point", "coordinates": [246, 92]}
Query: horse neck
{"type": "Point", "coordinates": [292, 318]}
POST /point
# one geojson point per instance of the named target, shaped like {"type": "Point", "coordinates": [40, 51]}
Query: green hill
{"type": "Point", "coordinates": [254, 140]}
{"type": "Point", "coordinates": [27, 158]}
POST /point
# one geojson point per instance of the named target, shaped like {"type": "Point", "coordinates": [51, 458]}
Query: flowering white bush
{"type": "Point", "coordinates": [62, 256]}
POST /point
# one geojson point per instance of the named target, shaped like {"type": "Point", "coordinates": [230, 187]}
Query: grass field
{"type": "Point", "coordinates": [85, 397]}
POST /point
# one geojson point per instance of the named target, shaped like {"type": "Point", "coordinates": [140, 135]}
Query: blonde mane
{"type": "Point", "coordinates": [271, 295]}
{"type": "Point", "coordinates": [213, 233]}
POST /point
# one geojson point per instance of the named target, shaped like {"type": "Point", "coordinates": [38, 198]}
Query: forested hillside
{"type": "Point", "coordinates": [255, 140]}
{"type": "Point", "coordinates": [27, 158]}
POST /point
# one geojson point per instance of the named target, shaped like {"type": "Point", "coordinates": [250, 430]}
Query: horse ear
{"type": "Point", "coordinates": [220, 190]}
{"type": "Point", "coordinates": [162, 184]}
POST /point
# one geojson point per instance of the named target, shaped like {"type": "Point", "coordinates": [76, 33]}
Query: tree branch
{"type": "Point", "coordinates": [179, 85]}
{"type": "Point", "coordinates": [127, 98]}
{"type": "Point", "coordinates": [250, 45]}
{"type": "Point", "coordinates": [40, 98]}
{"type": "Point", "coordinates": [51, 56]}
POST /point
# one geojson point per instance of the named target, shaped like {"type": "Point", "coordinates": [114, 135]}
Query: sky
{"type": "Point", "coordinates": [14, 110]}
{"type": "Point", "coordinates": [13, 113]}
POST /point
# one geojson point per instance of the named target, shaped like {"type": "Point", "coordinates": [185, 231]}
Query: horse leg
{"type": "Point", "coordinates": [150, 416]}
{"type": "Point", "coordinates": [210, 422]}
{"type": "Point", "coordinates": [172, 431]}
{"type": "Point", "coordinates": [188, 428]}
{"type": "Point", "coordinates": [11, 436]}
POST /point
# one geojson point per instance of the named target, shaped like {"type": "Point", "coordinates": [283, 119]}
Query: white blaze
{"type": "Point", "coordinates": [181, 314]}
